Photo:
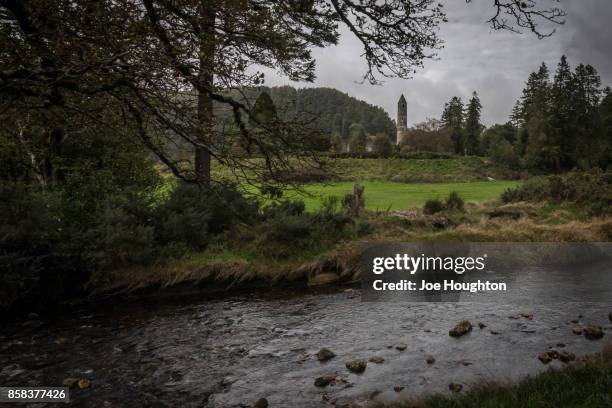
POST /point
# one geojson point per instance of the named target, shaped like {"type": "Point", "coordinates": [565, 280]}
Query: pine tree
{"type": "Point", "coordinates": [473, 127]}
{"type": "Point", "coordinates": [561, 118]}
{"type": "Point", "coordinates": [452, 119]}
{"type": "Point", "coordinates": [587, 133]}
{"type": "Point", "coordinates": [605, 115]}
{"type": "Point", "coordinates": [535, 98]}
{"type": "Point", "coordinates": [264, 110]}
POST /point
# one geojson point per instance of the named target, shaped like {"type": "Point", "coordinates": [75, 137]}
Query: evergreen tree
{"type": "Point", "coordinates": [536, 95]}
{"type": "Point", "coordinates": [263, 117]}
{"type": "Point", "coordinates": [264, 111]}
{"type": "Point", "coordinates": [516, 117]}
{"type": "Point", "coordinates": [605, 114]}
{"type": "Point", "coordinates": [561, 116]}
{"type": "Point", "coordinates": [452, 119]}
{"type": "Point", "coordinates": [560, 124]}
{"type": "Point", "coordinates": [473, 127]}
{"type": "Point", "coordinates": [587, 132]}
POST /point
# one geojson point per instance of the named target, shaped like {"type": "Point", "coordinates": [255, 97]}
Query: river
{"type": "Point", "coordinates": [202, 351]}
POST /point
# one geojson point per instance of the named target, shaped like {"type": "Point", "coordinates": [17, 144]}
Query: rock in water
{"type": "Point", "coordinates": [325, 354]}
{"type": "Point", "coordinates": [566, 356]}
{"type": "Point", "coordinates": [376, 360]}
{"type": "Point", "coordinates": [401, 346]}
{"type": "Point", "coordinates": [70, 382]}
{"type": "Point", "coordinates": [455, 387]}
{"type": "Point", "coordinates": [261, 403]}
{"type": "Point", "coordinates": [324, 381]}
{"type": "Point", "coordinates": [357, 366]}
{"type": "Point", "coordinates": [398, 388]}
{"type": "Point", "coordinates": [577, 330]}
{"type": "Point", "coordinates": [593, 332]}
{"type": "Point", "coordinates": [545, 357]}
{"type": "Point", "coordinates": [462, 328]}
{"type": "Point", "coordinates": [610, 316]}
{"type": "Point", "coordinates": [481, 325]}
{"type": "Point", "coordinates": [430, 359]}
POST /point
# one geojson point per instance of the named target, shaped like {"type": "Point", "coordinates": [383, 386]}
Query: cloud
{"type": "Point", "coordinates": [475, 58]}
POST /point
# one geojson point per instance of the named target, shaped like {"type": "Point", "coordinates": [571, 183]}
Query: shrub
{"type": "Point", "coordinates": [382, 146]}
{"type": "Point", "coordinates": [193, 213]}
{"type": "Point", "coordinates": [288, 207]}
{"type": "Point", "coordinates": [504, 153]}
{"type": "Point", "coordinates": [433, 206]}
{"type": "Point", "coordinates": [364, 228]}
{"type": "Point", "coordinates": [287, 230]}
{"type": "Point", "coordinates": [454, 201]}
{"type": "Point", "coordinates": [118, 239]}
{"type": "Point", "coordinates": [591, 190]}
{"type": "Point", "coordinates": [30, 229]}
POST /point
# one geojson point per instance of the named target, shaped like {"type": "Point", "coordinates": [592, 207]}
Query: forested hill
{"type": "Point", "coordinates": [332, 111]}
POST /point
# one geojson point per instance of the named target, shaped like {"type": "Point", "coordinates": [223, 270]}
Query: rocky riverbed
{"type": "Point", "coordinates": [261, 348]}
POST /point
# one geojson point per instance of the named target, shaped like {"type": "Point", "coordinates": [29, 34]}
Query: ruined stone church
{"type": "Point", "coordinates": [402, 120]}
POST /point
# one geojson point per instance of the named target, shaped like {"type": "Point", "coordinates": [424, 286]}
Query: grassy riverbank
{"type": "Point", "coordinates": [581, 385]}
{"type": "Point", "coordinates": [243, 255]}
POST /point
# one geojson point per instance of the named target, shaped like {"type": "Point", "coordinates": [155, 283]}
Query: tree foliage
{"type": "Point", "coordinates": [473, 127]}
{"type": "Point", "coordinates": [560, 119]}
{"type": "Point", "coordinates": [155, 67]}
{"type": "Point", "coordinates": [453, 120]}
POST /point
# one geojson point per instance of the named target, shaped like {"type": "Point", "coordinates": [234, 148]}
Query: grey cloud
{"type": "Point", "coordinates": [475, 58]}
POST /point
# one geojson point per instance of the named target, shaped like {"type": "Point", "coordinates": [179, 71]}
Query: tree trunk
{"type": "Point", "coordinates": [205, 102]}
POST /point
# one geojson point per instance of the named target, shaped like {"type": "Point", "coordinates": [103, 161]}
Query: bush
{"type": "Point", "coordinates": [288, 231]}
{"type": "Point", "coordinates": [433, 206]}
{"type": "Point", "coordinates": [502, 152]}
{"type": "Point", "coordinates": [192, 214]}
{"type": "Point", "coordinates": [591, 190]}
{"type": "Point", "coordinates": [119, 239]}
{"type": "Point", "coordinates": [30, 230]}
{"type": "Point", "coordinates": [296, 207]}
{"type": "Point", "coordinates": [53, 242]}
{"type": "Point", "coordinates": [382, 146]}
{"type": "Point", "coordinates": [454, 201]}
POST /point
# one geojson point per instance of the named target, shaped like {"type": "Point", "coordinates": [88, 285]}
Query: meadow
{"type": "Point", "coordinates": [386, 195]}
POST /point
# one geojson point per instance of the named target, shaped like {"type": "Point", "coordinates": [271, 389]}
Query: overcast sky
{"type": "Point", "coordinates": [475, 58]}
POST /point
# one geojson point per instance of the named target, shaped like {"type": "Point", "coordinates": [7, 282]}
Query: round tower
{"type": "Point", "coordinates": [402, 121]}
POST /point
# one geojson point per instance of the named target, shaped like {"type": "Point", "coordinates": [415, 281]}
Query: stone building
{"type": "Point", "coordinates": [402, 120]}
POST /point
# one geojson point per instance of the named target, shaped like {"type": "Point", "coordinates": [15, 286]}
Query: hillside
{"type": "Point", "coordinates": [329, 110]}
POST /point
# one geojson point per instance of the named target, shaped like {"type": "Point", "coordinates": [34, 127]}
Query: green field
{"type": "Point", "coordinates": [395, 196]}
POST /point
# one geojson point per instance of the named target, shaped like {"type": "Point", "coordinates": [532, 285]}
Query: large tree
{"type": "Point", "coordinates": [536, 96]}
{"type": "Point", "coordinates": [154, 67]}
{"type": "Point", "coordinates": [453, 120]}
{"type": "Point", "coordinates": [473, 127]}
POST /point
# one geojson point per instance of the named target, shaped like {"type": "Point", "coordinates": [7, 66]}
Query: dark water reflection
{"type": "Point", "coordinates": [230, 352]}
